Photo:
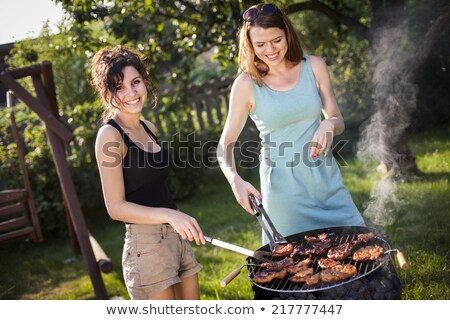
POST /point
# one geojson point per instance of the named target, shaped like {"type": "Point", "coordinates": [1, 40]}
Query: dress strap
{"type": "Point", "coordinates": [125, 137]}
{"type": "Point", "coordinates": [309, 72]}
{"type": "Point", "coordinates": [149, 132]}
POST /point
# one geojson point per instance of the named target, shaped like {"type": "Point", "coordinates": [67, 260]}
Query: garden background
{"type": "Point", "coordinates": [389, 62]}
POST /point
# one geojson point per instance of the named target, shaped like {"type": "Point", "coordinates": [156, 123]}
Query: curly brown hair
{"type": "Point", "coordinates": [107, 73]}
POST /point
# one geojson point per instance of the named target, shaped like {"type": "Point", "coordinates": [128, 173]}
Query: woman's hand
{"type": "Point", "coordinates": [242, 189]}
{"type": "Point", "coordinates": [322, 139]}
{"type": "Point", "coordinates": [187, 227]}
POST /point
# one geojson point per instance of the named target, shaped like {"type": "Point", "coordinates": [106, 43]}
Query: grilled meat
{"type": "Point", "coordinates": [283, 250]}
{"type": "Point", "coordinates": [341, 251]}
{"type": "Point", "coordinates": [320, 237]}
{"type": "Point", "coordinates": [314, 279]}
{"type": "Point", "coordinates": [365, 237]}
{"type": "Point", "coordinates": [320, 247]}
{"type": "Point", "coordinates": [345, 270]}
{"type": "Point", "coordinates": [263, 276]}
{"type": "Point", "coordinates": [329, 275]}
{"type": "Point", "coordinates": [299, 266]}
{"type": "Point", "coordinates": [327, 263]}
{"type": "Point", "coordinates": [278, 265]}
{"type": "Point", "coordinates": [302, 275]}
{"type": "Point", "coordinates": [338, 272]}
{"type": "Point", "coordinates": [312, 248]}
{"type": "Point", "coordinates": [369, 253]}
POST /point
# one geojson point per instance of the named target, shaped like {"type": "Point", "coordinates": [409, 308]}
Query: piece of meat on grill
{"type": "Point", "coordinates": [329, 275]}
{"type": "Point", "coordinates": [320, 247]}
{"type": "Point", "coordinates": [369, 253]}
{"type": "Point", "coordinates": [297, 249]}
{"type": "Point", "coordinates": [299, 266]}
{"type": "Point", "coordinates": [283, 250]}
{"type": "Point", "coordinates": [338, 272]}
{"type": "Point", "coordinates": [320, 237]}
{"type": "Point", "coordinates": [263, 276]}
{"type": "Point", "coordinates": [345, 270]}
{"type": "Point", "coordinates": [314, 279]}
{"type": "Point", "coordinates": [278, 265]}
{"type": "Point", "coordinates": [341, 251]}
{"type": "Point", "coordinates": [327, 263]}
{"type": "Point", "coordinates": [366, 237]}
{"type": "Point", "coordinates": [312, 248]}
{"type": "Point", "coordinates": [302, 275]}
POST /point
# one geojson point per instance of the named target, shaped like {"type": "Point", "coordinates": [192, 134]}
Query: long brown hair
{"type": "Point", "coordinates": [247, 60]}
{"type": "Point", "coordinates": [106, 68]}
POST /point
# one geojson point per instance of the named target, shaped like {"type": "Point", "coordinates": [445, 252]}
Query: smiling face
{"type": "Point", "coordinates": [269, 44]}
{"type": "Point", "coordinates": [131, 92]}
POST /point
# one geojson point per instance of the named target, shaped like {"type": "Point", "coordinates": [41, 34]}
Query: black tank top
{"type": "Point", "coordinates": [145, 173]}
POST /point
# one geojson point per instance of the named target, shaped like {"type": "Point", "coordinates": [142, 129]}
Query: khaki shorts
{"type": "Point", "coordinates": [155, 258]}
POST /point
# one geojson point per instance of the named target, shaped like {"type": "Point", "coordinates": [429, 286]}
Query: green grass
{"type": "Point", "coordinates": [421, 230]}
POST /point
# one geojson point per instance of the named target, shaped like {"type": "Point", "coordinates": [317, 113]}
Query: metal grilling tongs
{"type": "Point", "coordinates": [275, 238]}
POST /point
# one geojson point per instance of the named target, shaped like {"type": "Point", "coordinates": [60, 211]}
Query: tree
{"type": "Point", "coordinates": [174, 33]}
{"type": "Point", "coordinates": [395, 71]}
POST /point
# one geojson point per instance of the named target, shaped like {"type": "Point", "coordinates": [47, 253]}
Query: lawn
{"type": "Point", "coordinates": [419, 228]}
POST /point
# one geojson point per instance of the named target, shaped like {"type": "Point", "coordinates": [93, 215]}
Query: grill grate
{"type": "Point", "coordinates": [338, 236]}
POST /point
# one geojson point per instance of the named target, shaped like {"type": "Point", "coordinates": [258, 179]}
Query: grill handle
{"type": "Point", "coordinates": [229, 246]}
{"type": "Point", "coordinates": [259, 255]}
{"type": "Point", "coordinates": [402, 262]}
{"type": "Point", "coordinates": [233, 274]}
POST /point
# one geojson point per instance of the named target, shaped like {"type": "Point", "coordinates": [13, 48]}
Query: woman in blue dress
{"type": "Point", "coordinates": [284, 92]}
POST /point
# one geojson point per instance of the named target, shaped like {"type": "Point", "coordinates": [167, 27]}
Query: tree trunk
{"type": "Point", "coordinates": [394, 93]}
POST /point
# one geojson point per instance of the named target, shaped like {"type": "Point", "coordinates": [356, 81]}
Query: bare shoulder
{"type": "Point", "coordinates": [318, 63]}
{"type": "Point", "coordinates": [242, 80]}
{"type": "Point", "coordinates": [108, 134]}
{"type": "Point", "coordinates": [151, 126]}
{"type": "Point", "coordinates": [242, 92]}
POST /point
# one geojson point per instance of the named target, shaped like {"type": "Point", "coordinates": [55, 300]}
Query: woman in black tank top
{"type": "Point", "coordinates": [157, 260]}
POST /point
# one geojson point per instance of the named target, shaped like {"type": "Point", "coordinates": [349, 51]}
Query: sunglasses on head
{"type": "Point", "coordinates": [266, 10]}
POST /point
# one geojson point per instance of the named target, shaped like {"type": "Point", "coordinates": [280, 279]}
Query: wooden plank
{"type": "Point", "coordinates": [198, 110]}
{"type": "Point", "coordinates": [12, 195]}
{"type": "Point", "coordinates": [206, 105]}
{"type": "Point", "coordinates": [12, 209]}
{"type": "Point", "coordinates": [16, 234]}
{"type": "Point", "coordinates": [13, 224]}
{"type": "Point", "coordinates": [218, 107]}
{"type": "Point", "coordinates": [103, 261]}
{"type": "Point", "coordinates": [49, 84]}
{"type": "Point", "coordinates": [25, 72]}
{"type": "Point", "coordinates": [49, 119]}
{"type": "Point", "coordinates": [37, 234]}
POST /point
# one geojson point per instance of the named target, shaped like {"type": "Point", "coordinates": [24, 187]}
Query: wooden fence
{"type": "Point", "coordinates": [207, 107]}
{"type": "Point", "coordinates": [207, 110]}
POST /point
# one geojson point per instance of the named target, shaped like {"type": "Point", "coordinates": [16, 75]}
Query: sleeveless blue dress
{"type": "Point", "coordinates": [299, 193]}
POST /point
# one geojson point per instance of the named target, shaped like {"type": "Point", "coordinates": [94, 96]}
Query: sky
{"type": "Point", "coordinates": [20, 19]}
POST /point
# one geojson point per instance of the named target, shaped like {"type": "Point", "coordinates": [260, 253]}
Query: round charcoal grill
{"type": "Point", "coordinates": [338, 235]}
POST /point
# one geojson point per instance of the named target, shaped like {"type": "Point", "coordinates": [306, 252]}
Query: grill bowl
{"type": "Point", "coordinates": [338, 235]}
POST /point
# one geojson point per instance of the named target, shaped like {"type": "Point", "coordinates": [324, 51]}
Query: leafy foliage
{"type": "Point", "coordinates": [188, 43]}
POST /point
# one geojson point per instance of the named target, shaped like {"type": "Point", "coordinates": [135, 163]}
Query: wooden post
{"type": "Point", "coordinates": [71, 199]}
{"type": "Point", "coordinates": [50, 90]}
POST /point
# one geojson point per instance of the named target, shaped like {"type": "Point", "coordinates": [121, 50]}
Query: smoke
{"type": "Point", "coordinates": [395, 100]}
